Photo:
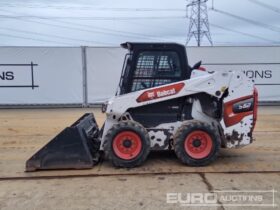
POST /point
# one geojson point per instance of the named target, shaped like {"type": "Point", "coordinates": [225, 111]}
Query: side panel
{"type": "Point", "coordinates": [238, 115]}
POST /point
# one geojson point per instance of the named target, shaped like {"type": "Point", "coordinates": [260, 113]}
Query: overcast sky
{"type": "Point", "coordinates": [111, 22]}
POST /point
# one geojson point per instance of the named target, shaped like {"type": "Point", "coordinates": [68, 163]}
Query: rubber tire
{"type": "Point", "coordinates": [126, 126]}
{"type": "Point", "coordinates": [180, 137]}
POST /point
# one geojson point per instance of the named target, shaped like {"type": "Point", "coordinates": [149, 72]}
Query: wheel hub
{"type": "Point", "coordinates": [127, 143]}
{"type": "Point", "coordinates": [196, 143]}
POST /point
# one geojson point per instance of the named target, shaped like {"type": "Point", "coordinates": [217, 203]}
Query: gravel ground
{"type": "Point", "coordinates": [22, 132]}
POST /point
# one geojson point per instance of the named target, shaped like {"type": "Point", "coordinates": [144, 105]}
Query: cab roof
{"type": "Point", "coordinates": [151, 45]}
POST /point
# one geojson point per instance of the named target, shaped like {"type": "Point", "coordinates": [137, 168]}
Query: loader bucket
{"type": "Point", "coordinates": [76, 147]}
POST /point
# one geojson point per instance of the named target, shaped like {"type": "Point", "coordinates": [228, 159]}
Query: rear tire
{"type": "Point", "coordinates": [196, 143]}
{"type": "Point", "coordinates": [127, 144]}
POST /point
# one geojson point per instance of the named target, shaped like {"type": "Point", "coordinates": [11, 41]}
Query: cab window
{"type": "Point", "coordinates": [154, 68]}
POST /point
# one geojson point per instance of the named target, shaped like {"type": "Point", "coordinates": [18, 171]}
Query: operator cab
{"type": "Point", "coordinates": [152, 64]}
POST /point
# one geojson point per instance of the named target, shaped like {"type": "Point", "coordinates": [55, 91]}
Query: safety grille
{"type": "Point", "coordinates": [154, 68]}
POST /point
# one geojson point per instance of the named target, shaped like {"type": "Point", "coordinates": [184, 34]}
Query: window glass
{"type": "Point", "coordinates": [154, 68]}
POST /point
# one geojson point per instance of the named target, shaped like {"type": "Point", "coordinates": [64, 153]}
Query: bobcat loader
{"type": "Point", "coordinates": [161, 104]}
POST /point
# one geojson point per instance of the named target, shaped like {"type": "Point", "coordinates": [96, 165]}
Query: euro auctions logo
{"type": "Point", "coordinates": [190, 199]}
{"type": "Point", "coordinates": [234, 198]}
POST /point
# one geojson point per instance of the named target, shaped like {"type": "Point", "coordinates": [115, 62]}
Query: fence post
{"type": "Point", "coordinates": [84, 72]}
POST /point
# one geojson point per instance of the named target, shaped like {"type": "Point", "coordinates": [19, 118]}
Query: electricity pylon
{"type": "Point", "coordinates": [198, 22]}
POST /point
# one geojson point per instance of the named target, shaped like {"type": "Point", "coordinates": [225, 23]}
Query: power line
{"type": "Point", "coordinates": [266, 6]}
{"type": "Point", "coordinates": [239, 43]}
{"type": "Point", "coordinates": [244, 33]}
{"type": "Point", "coordinates": [46, 35]}
{"type": "Point", "coordinates": [89, 18]}
{"type": "Point", "coordinates": [161, 26]}
{"type": "Point", "coordinates": [139, 9]}
{"type": "Point", "coordinates": [263, 25]}
{"type": "Point", "coordinates": [127, 34]}
{"type": "Point", "coordinates": [117, 32]}
{"type": "Point", "coordinates": [33, 39]}
{"type": "Point", "coordinates": [118, 9]}
{"type": "Point", "coordinates": [66, 27]}
{"type": "Point", "coordinates": [229, 30]}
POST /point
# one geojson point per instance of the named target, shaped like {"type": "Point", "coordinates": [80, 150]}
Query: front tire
{"type": "Point", "coordinates": [127, 144]}
{"type": "Point", "coordinates": [196, 143]}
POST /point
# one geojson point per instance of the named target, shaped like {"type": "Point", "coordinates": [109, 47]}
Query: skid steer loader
{"type": "Point", "coordinates": [161, 104]}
